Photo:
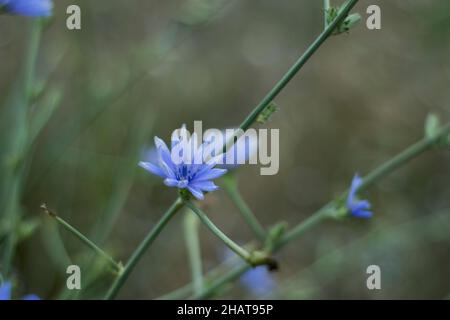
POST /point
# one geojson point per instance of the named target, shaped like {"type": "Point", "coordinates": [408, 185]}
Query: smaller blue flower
{"type": "Point", "coordinates": [30, 8]}
{"type": "Point", "coordinates": [183, 165]}
{"type": "Point", "coordinates": [243, 150]}
{"type": "Point", "coordinates": [5, 293]}
{"type": "Point", "coordinates": [357, 208]}
{"type": "Point", "coordinates": [258, 281]}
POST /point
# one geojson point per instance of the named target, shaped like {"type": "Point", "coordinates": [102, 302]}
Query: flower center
{"type": "Point", "coordinates": [183, 183]}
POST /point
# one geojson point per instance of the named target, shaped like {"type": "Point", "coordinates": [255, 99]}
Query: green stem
{"type": "Point", "coordinates": [177, 294]}
{"type": "Point", "coordinates": [230, 186]}
{"type": "Point", "coordinates": [251, 118]}
{"type": "Point", "coordinates": [142, 248]}
{"type": "Point", "coordinates": [237, 271]}
{"type": "Point", "coordinates": [231, 276]}
{"type": "Point", "coordinates": [116, 266]}
{"type": "Point", "coordinates": [297, 66]}
{"type": "Point", "coordinates": [193, 248]}
{"type": "Point", "coordinates": [302, 227]}
{"type": "Point", "coordinates": [12, 217]}
{"type": "Point", "coordinates": [373, 177]}
{"type": "Point", "coordinates": [244, 254]}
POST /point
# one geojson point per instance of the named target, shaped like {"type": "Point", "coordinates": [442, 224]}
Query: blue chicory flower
{"type": "Point", "coordinates": [357, 208]}
{"type": "Point", "coordinates": [258, 281]}
{"type": "Point", "coordinates": [30, 8]}
{"type": "Point", "coordinates": [5, 293]}
{"type": "Point", "coordinates": [189, 171]}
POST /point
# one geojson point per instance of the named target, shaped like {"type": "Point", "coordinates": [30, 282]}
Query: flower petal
{"type": "Point", "coordinates": [150, 154]}
{"type": "Point", "coordinates": [31, 297]}
{"type": "Point", "coordinates": [35, 8]}
{"type": "Point", "coordinates": [171, 182]}
{"type": "Point", "coordinates": [163, 150]}
{"type": "Point", "coordinates": [165, 159]}
{"type": "Point", "coordinates": [208, 186]}
{"type": "Point", "coordinates": [356, 183]}
{"type": "Point", "coordinates": [178, 135]}
{"type": "Point", "coordinates": [357, 208]}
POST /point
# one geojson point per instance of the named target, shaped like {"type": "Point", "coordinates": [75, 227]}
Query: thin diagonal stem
{"type": "Point", "coordinates": [191, 223]}
{"type": "Point", "coordinates": [297, 66]}
{"type": "Point", "coordinates": [230, 186]}
{"type": "Point", "coordinates": [304, 226]}
{"type": "Point", "coordinates": [405, 156]}
{"type": "Point", "coordinates": [142, 248]}
{"type": "Point", "coordinates": [374, 176]}
{"type": "Point", "coordinates": [244, 254]}
{"type": "Point", "coordinates": [115, 266]}
{"type": "Point", "coordinates": [178, 294]}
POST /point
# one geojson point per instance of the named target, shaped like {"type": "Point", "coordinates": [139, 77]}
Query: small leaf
{"type": "Point", "coordinates": [265, 115]}
{"type": "Point", "coordinates": [27, 228]}
{"type": "Point", "coordinates": [432, 128]}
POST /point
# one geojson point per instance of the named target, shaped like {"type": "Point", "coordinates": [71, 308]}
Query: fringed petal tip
{"type": "Point", "coordinates": [5, 291]}
{"type": "Point", "coordinates": [152, 168]}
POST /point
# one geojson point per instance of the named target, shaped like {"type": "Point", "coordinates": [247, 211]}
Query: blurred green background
{"type": "Point", "coordinates": [142, 68]}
